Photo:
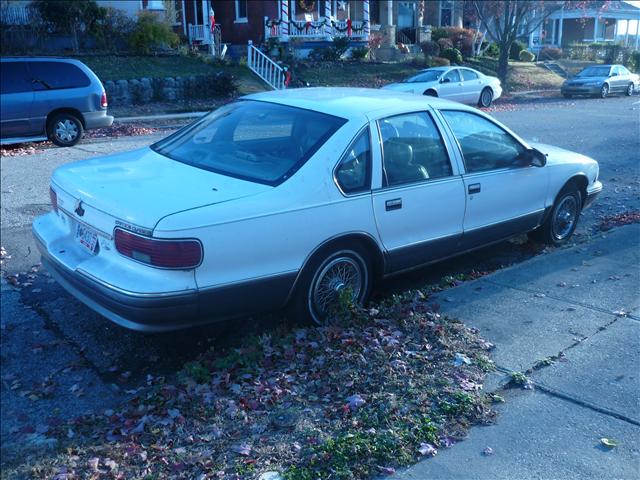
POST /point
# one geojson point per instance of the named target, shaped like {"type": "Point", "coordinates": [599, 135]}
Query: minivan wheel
{"type": "Point", "coordinates": [563, 218]}
{"type": "Point", "coordinates": [486, 97]}
{"type": "Point", "coordinates": [630, 89]}
{"type": "Point", "coordinates": [325, 281]}
{"type": "Point", "coordinates": [65, 130]}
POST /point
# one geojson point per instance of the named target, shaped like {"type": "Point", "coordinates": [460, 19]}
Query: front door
{"type": "Point", "coordinates": [419, 208]}
{"type": "Point", "coordinates": [451, 86]}
{"type": "Point", "coordinates": [17, 100]}
{"type": "Point", "coordinates": [504, 197]}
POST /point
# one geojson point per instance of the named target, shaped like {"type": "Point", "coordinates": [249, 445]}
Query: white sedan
{"type": "Point", "coordinates": [460, 84]}
{"type": "Point", "coordinates": [297, 198]}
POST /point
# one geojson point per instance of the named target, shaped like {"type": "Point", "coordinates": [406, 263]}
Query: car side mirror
{"type": "Point", "coordinates": [445, 80]}
{"type": "Point", "coordinates": [533, 158]}
{"type": "Point", "coordinates": [614, 74]}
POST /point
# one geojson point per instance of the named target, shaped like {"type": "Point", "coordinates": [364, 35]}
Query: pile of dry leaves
{"type": "Point", "coordinates": [625, 218]}
{"type": "Point", "coordinates": [382, 389]}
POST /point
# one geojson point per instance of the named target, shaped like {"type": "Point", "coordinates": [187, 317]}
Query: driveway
{"type": "Point", "coordinates": [60, 359]}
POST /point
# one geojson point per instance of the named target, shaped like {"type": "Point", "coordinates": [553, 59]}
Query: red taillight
{"type": "Point", "coordinates": [159, 253]}
{"type": "Point", "coordinates": [103, 100]}
{"type": "Point", "coordinates": [54, 199]}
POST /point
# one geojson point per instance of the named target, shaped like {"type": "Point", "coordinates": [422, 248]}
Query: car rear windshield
{"type": "Point", "coordinates": [252, 140]}
{"type": "Point", "coordinates": [594, 72]}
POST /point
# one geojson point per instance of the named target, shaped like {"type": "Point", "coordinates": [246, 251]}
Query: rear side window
{"type": "Point", "coordinates": [469, 75]}
{"type": "Point", "coordinates": [14, 78]}
{"type": "Point", "coordinates": [57, 75]}
{"type": "Point", "coordinates": [354, 171]}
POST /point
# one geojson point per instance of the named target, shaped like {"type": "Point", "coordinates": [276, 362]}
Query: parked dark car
{"type": "Point", "coordinates": [49, 98]}
{"type": "Point", "coordinates": [600, 81]}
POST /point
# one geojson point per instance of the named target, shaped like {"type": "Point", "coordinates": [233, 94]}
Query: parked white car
{"type": "Point", "coordinates": [292, 197]}
{"type": "Point", "coordinates": [460, 84]}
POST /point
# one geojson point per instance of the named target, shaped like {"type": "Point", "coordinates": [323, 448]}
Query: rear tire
{"type": "Point", "coordinates": [327, 274]}
{"type": "Point", "coordinates": [486, 98]}
{"type": "Point", "coordinates": [562, 221]}
{"type": "Point", "coordinates": [64, 129]}
{"type": "Point", "coordinates": [630, 89]}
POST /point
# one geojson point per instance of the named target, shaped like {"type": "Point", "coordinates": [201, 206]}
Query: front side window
{"type": "Point", "coordinates": [428, 76]}
{"type": "Point", "coordinates": [469, 75]}
{"type": "Point", "coordinates": [413, 150]}
{"type": "Point", "coordinates": [256, 141]}
{"type": "Point", "coordinates": [57, 75]}
{"type": "Point", "coordinates": [14, 78]}
{"type": "Point", "coordinates": [484, 145]}
{"type": "Point", "coordinates": [452, 76]}
{"type": "Point", "coordinates": [354, 170]}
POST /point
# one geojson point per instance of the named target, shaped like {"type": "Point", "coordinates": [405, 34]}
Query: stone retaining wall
{"type": "Point", "coordinates": [145, 90]}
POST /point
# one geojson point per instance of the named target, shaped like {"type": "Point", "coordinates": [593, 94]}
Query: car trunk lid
{"type": "Point", "coordinates": [137, 189]}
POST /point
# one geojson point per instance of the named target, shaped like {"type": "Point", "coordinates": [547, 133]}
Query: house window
{"type": "Point", "coordinates": [446, 13]}
{"type": "Point", "coordinates": [241, 11]}
{"type": "Point", "coordinates": [306, 10]}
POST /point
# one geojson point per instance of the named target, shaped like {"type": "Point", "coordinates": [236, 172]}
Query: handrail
{"type": "Point", "coordinates": [268, 70]}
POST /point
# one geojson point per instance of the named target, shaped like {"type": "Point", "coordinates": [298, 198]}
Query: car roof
{"type": "Point", "coordinates": [352, 103]}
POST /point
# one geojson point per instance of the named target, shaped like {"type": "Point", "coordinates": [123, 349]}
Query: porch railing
{"type": "Point", "coordinates": [199, 34]}
{"type": "Point", "coordinates": [268, 70]}
{"type": "Point", "coordinates": [315, 29]}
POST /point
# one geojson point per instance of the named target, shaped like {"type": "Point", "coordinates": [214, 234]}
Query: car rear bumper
{"type": "Point", "coordinates": [581, 90]}
{"type": "Point", "coordinates": [168, 311]}
{"type": "Point", "coordinates": [98, 119]}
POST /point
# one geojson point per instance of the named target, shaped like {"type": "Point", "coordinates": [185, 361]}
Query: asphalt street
{"type": "Point", "coordinates": [71, 360]}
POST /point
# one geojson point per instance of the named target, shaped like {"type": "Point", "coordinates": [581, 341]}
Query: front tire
{"type": "Point", "coordinates": [563, 218]}
{"type": "Point", "coordinates": [486, 98]}
{"type": "Point", "coordinates": [604, 91]}
{"type": "Point", "coordinates": [65, 130]}
{"type": "Point", "coordinates": [630, 89]}
{"type": "Point", "coordinates": [328, 276]}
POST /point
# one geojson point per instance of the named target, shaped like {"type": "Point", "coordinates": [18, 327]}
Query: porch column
{"type": "Point", "coordinates": [366, 18]}
{"type": "Point", "coordinates": [389, 12]}
{"type": "Point", "coordinates": [595, 28]}
{"type": "Point", "coordinates": [553, 32]}
{"type": "Point", "coordinates": [284, 18]}
{"type": "Point", "coordinates": [560, 27]}
{"type": "Point", "coordinates": [328, 28]}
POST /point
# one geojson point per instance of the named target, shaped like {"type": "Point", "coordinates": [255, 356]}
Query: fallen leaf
{"type": "Point", "coordinates": [608, 442]}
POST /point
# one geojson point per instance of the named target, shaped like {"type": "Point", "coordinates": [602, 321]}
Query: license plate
{"type": "Point", "coordinates": [86, 237]}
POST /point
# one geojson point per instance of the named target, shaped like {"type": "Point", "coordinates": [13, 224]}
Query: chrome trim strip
{"type": "Point", "coordinates": [442, 237]}
{"type": "Point", "coordinates": [504, 221]}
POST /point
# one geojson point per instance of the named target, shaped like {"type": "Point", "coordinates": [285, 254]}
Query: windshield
{"type": "Point", "coordinates": [594, 72]}
{"type": "Point", "coordinates": [257, 141]}
{"type": "Point", "coordinates": [428, 76]}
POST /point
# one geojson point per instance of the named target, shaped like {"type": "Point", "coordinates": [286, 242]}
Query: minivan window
{"type": "Point", "coordinates": [252, 140]}
{"type": "Point", "coordinates": [14, 78]}
{"type": "Point", "coordinates": [57, 75]}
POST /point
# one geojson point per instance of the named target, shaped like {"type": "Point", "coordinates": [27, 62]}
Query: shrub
{"type": "Point", "coordinates": [548, 53]}
{"type": "Point", "coordinates": [438, 33]}
{"type": "Point", "coordinates": [453, 55]}
{"type": "Point", "coordinates": [112, 31]}
{"type": "Point", "coordinates": [224, 85]}
{"type": "Point", "coordinates": [359, 53]}
{"type": "Point", "coordinates": [151, 34]}
{"type": "Point", "coordinates": [462, 39]}
{"type": "Point", "coordinates": [338, 48]}
{"type": "Point", "coordinates": [526, 56]}
{"type": "Point", "coordinates": [430, 48]}
{"type": "Point", "coordinates": [440, 62]}
{"type": "Point", "coordinates": [445, 43]}
{"type": "Point", "coordinates": [633, 62]}
{"type": "Point", "coordinates": [516, 48]}
{"type": "Point", "coordinates": [493, 50]}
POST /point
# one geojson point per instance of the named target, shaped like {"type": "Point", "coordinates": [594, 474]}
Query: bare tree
{"type": "Point", "coordinates": [504, 21]}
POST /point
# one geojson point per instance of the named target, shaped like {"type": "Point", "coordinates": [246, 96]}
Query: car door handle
{"type": "Point", "coordinates": [395, 204]}
{"type": "Point", "coordinates": [474, 188]}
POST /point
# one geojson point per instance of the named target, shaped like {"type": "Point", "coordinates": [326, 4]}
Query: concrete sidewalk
{"type": "Point", "coordinates": [578, 307]}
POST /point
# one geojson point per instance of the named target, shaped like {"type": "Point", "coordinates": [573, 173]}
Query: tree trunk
{"type": "Point", "coordinates": [503, 63]}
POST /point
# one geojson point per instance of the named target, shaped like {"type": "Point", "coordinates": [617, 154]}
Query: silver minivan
{"type": "Point", "coordinates": [49, 98]}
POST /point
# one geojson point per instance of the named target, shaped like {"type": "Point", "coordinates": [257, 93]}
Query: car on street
{"type": "Point", "coordinates": [460, 84]}
{"type": "Point", "coordinates": [299, 198]}
{"type": "Point", "coordinates": [600, 81]}
{"type": "Point", "coordinates": [49, 98]}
